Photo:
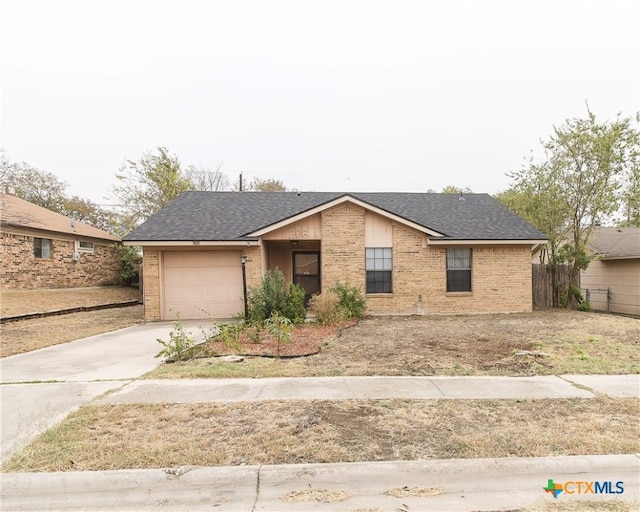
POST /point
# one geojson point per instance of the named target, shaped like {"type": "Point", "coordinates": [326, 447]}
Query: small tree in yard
{"type": "Point", "coordinates": [589, 168]}
{"type": "Point", "coordinates": [280, 328]}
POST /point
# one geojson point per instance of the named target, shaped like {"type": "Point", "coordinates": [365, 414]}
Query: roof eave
{"type": "Point", "coordinates": [191, 243]}
{"type": "Point", "coordinates": [474, 241]}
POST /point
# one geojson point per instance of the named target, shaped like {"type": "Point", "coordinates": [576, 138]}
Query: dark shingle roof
{"type": "Point", "coordinates": [227, 216]}
{"type": "Point", "coordinates": [616, 242]}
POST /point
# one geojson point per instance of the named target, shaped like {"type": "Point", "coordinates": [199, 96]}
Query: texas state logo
{"type": "Point", "coordinates": [552, 488]}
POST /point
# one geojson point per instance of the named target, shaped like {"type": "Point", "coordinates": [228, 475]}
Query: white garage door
{"type": "Point", "coordinates": [202, 284]}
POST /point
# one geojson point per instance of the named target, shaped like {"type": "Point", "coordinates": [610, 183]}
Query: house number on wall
{"type": "Point", "coordinates": [299, 233]}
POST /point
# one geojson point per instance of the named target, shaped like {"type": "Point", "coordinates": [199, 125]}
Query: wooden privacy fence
{"type": "Point", "coordinates": [542, 284]}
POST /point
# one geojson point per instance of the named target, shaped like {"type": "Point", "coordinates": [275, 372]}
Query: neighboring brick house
{"type": "Point", "coordinates": [43, 249]}
{"type": "Point", "coordinates": [409, 253]}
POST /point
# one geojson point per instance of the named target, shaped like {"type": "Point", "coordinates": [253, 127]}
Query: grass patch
{"type": "Point", "coordinates": [549, 342]}
{"type": "Point", "coordinates": [585, 506]}
{"type": "Point", "coordinates": [311, 431]}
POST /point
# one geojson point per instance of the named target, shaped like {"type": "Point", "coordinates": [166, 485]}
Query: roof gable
{"type": "Point", "coordinates": [20, 213]}
{"type": "Point", "coordinates": [243, 216]}
{"type": "Point", "coordinates": [346, 198]}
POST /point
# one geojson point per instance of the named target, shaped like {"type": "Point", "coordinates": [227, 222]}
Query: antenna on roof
{"type": "Point", "coordinates": [240, 182]}
{"type": "Point", "coordinates": [461, 198]}
{"type": "Point", "coordinates": [73, 223]}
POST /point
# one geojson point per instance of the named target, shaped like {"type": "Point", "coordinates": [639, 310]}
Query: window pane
{"type": "Point", "coordinates": [458, 280]}
{"type": "Point", "coordinates": [459, 258]}
{"type": "Point", "coordinates": [306, 264]}
{"type": "Point", "coordinates": [378, 282]}
{"type": "Point", "coordinates": [46, 248]}
{"type": "Point", "coordinates": [42, 248]}
{"type": "Point", "coordinates": [379, 266]}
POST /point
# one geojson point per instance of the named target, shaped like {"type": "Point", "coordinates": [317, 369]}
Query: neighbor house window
{"type": "Point", "coordinates": [458, 270]}
{"type": "Point", "coordinates": [42, 248]}
{"type": "Point", "coordinates": [379, 266]}
{"type": "Point", "coordinates": [84, 246]}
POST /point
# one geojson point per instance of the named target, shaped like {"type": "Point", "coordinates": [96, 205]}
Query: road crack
{"type": "Point", "coordinates": [255, 502]}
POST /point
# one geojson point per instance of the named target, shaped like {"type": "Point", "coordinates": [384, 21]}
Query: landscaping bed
{"type": "Point", "coordinates": [306, 340]}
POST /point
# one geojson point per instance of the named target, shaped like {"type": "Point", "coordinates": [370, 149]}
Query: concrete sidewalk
{"type": "Point", "coordinates": [376, 388]}
{"type": "Point", "coordinates": [445, 485]}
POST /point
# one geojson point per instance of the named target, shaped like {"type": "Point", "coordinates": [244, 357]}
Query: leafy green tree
{"type": "Point", "coordinates": [267, 185]}
{"type": "Point", "coordinates": [88, 212]}
{"type": "Point", "coordinates": [630, 197]}
{"type": "Point", "coordinates": [452, 189]}
{"type": "Point", "coordinates": [34, 185]}
{"type": "Point", "coordinates": [149, 184]}
{"type": "Point", "coordinates": [576, 185]}
{"type": "Point", "coordinates": [46, 190]}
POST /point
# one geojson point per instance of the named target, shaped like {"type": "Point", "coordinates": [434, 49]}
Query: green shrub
{"type": "Point", "coordinates": [129, 264]}
{"type": "Point", "coordinates": [276, 296]}
{"type": "Point", "coordinates": [179, 345]}
{"type": "Point", "coordinates": [584, 306]}
{"type": "Point", "coordinates": [351, 303]}
{"type": "Point", "coordinates": [324, 307]}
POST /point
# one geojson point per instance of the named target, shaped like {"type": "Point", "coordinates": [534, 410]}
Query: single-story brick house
{"type": "Point", "coordinates": [410, 253]}
{"type": "Point", "coordinates": [613, 278]}
{"type": "Point", "coordinates": [43, 249]}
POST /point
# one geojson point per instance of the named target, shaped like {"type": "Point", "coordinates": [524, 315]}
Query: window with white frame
{"type": "Point", "coordinates": [42, 248]}
{"type": "Point", "coordinates": [379, 267]}
{"type": "Point", "coordinates": [458, 269]}
{"type": "Point", "coordinates": [84, 246]}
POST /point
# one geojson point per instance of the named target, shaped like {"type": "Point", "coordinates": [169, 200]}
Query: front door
{"type": "Point", "coordinates": [306, 272]}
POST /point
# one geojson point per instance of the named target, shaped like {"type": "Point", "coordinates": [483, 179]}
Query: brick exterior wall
{"type": "Point", "coordinates": [151, 283]}
{"type": "Point", "coordinates": [501, 274]}
{"type": "Point", "coordinates": [342, 250]}
{"type": "Point", "coordinates": [253, 266]}
{"type": "Point", "coordinates": [21, 270]}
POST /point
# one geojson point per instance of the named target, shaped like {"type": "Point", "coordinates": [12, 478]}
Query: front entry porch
{"type": "Point", "coordinates": [299, 261]}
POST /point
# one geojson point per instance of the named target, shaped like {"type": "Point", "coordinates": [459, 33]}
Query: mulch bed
{"type": "Point", "coordinates": [306, 340]}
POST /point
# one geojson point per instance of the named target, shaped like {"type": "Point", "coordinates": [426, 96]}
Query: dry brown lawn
{"type": "Point", "coordinates": [37, 301]}
{"type": "Point", "coordinates": [299, 431]}
{"type": "Point", "coordinates": [27, 335]}
{"type": "Point", "coordinates": [544, 342]}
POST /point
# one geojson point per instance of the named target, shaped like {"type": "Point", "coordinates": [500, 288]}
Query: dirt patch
{"type": "Point", "coordinates": [304, 431]}
{"type": "Point", "coordinates": [306, 339]}
{"type": "Point", "coordinates": [315, 495]}
{"type": "Point", "coordinates": [27, 335]}
{"type": "Point", "coordinates": [540, 343]}
{"type": "Point", "coordinates": [415, 492]}
{"type": "Point", "coordinates": [37, 301]}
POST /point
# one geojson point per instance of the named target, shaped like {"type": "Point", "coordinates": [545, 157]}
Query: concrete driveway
{"type": "Point", "coordinates": [38, 389]}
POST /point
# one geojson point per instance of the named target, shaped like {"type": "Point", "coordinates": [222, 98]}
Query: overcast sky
{"type": "Point", "coordinates": [324, 95]}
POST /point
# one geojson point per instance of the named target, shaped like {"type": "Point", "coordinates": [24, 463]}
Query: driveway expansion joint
{"type": "Point", "coordinates": [433, 381]}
